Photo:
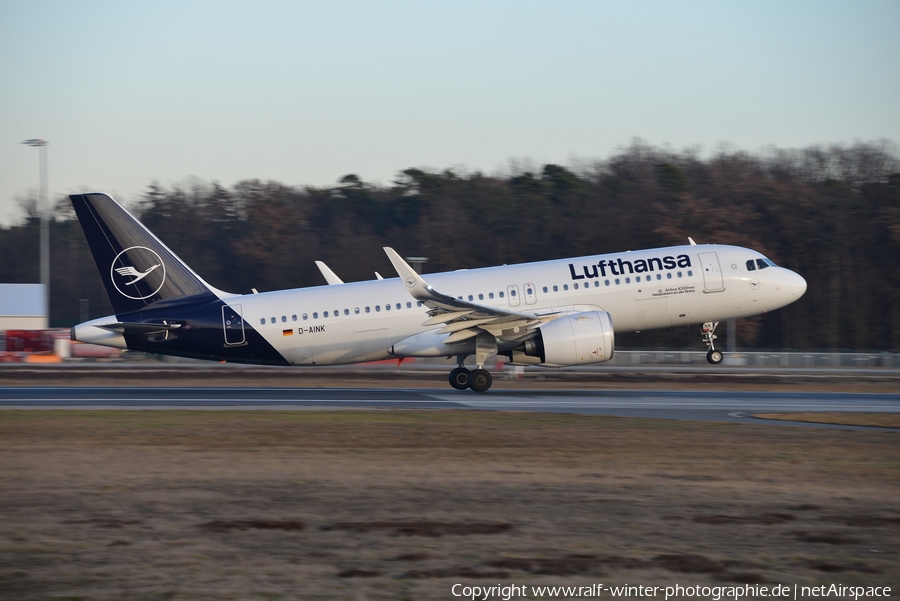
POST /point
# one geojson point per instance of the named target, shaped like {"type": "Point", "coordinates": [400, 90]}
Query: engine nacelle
{"type": "Point", "coordinates": [576, 339]}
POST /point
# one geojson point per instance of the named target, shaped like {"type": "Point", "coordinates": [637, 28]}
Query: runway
{"type": "Point", "coordinates": [666, 404]}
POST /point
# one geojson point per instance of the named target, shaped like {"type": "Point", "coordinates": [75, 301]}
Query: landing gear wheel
{"type": "Point", "coordinates": [459, 378]}
{"type": "Point", "coordinates": [709, 336]}
{"type": "Point", "coordinates": [480, 380]}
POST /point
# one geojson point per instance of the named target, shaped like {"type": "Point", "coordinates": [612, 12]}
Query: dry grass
{"type": "Point", "coordinates": [878, 420]}
{"type": "Point", "coordinates": [402, 504]}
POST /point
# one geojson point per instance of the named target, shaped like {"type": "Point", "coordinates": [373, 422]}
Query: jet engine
{"type": "Point", "coordinates": [575, 339]}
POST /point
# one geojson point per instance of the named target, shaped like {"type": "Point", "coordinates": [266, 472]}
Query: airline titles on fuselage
{"type": "Point", "coordinates": [618, 266]}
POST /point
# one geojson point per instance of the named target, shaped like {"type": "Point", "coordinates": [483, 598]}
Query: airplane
{"type": "Point", "coordinates": [555, 313]}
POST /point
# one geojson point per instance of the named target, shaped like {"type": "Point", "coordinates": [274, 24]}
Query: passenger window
{"type": "Point", "coordinates": [555, 288]}
{"type": "Point", "coordinates": [325, 314]}
{"type": "Point", "coordinates": [387, 307]}
{"type": "Point", "coordinates": [262, 321]}
{"type": "Point", "coordinates": [293, 318]}
{"type": "Point", "coordinates": [501, 294]}
{"type": "Point", "coordinates": [690, 273]}
{"type": "Point", "coordinates": [471, 298]}
{"type": "Point", "coordinates": [679, 274]}
{"type": "Point", "coordinates": [606, 282]}
{"type": "Point", "coordinates": [480, 297]}
{"type": "Point", "coordinates": [305, 317]}
{"type": "Point", "coordinates": [529, 291]}
{"type": "Point", "coordinates": [418, 303]}
{"type": "Point", "coordinates": [637, 279]}
{"type": "Point", "coordinates": [545, 290]}
{"type": "Point", "coordinates": [368, 310]}
{"type": "Point", "coordinates": [575, 285]}
{"type": "Point", "coordinates": [377, 308]}
{"type": "Point", "coordinates": [409, 304]}
{"type": "Point", "coordinates": [356, 310]}
{"type": "Point", "coordinates": [490, 295]}
{"type": "Point", "coordinates": [617, 281]}
{"type": "Point", "coordinates": [658, 276]}
{"type": "Point", "coordinates": [669, 275]}
{"type": "Point", "coordinates": [346, 311]}
{"type": "Point", "coordinates": [627, 280]}
{"type": "Point", "coordinates": [273, 320]}
{"type": "Point", "coordinates": [596, 283]}
{"type": "Point", "coordinates": [751, 265]}
{"type": "Point", "coordinates": [512, 292]}
{"type": "Point", "coordinates": [315, 315]}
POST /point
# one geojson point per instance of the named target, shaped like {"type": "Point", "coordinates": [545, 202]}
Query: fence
{"type": "Point", "coordinates": [760, 358]}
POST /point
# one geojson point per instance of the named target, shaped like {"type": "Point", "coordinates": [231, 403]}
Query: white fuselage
{"type": "Point", "coordinates": [641, 290]}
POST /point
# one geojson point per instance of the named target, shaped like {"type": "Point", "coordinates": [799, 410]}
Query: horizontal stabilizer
{"type": "Point", "coordinates": [141, 329]}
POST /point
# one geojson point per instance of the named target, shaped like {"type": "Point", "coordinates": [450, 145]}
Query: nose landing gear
{"type": "Point", "coordinates": [708, 334]}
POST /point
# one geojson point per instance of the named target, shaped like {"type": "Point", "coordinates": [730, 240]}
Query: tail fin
{"type": "Point", "coordinates": [137, 269]}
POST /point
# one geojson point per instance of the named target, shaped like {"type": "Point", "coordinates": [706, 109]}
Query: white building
{"type": "Point", "coordinates": [22, 307]}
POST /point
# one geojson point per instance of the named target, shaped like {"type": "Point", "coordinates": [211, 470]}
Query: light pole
{"type": "Point", "coordinates": [417, 263]}
{"type": "Point", "coordinates": [45, 223]}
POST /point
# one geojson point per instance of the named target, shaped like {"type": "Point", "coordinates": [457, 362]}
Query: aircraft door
{"type": "Point", "coordinates": [530, 294]}
{"type": "Point", "coordinates": [712, 273]}
{"type": "Point", "coordinates": [512, 294]}
{"type": "Point", "coordinates": [233, 325]}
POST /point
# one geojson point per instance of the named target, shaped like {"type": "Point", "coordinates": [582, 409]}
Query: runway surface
{"type": "Point", "coordinates": [667, 404]}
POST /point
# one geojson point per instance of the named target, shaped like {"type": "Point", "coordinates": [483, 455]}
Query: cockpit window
{"type": "Point", "coordinates": [761, 263]}
{"type": "Point", "coordinates": [751, 265]}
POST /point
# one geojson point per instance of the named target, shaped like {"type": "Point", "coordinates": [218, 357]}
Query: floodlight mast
{"type": "Point", "coordinates": [44, 211]}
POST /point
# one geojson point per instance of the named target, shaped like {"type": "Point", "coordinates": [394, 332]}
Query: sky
{"type": "Point", "coordinates": [131, 93]}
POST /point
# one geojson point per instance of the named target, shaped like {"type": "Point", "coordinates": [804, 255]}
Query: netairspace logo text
{"type": "Point", "coordinates": [715, 593]}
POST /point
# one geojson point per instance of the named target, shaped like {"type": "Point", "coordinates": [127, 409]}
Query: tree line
{"type": "Point", "coordinates": [831, 214]}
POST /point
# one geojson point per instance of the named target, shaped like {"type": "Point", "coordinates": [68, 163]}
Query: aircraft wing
{"type": "Point", "coordinates": [464, 319]}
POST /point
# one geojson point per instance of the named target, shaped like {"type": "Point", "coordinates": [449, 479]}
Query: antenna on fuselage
{"type": "Point", "coordinates": [691, 240]}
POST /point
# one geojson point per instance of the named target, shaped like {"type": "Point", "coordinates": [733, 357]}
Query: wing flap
{"type": "Point", "coordinates": [455, 326]}
{"type": "Point", "coordinates": [461, 335]}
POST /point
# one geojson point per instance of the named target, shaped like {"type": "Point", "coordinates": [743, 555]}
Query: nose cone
{"type": "Point", "coordinates": [795, 285]}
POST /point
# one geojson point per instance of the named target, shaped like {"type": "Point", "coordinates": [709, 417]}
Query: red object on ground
{"type": "Point", "coordinates": [29, 341]}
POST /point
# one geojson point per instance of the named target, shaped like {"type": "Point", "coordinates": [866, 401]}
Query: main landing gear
{"type": "Point", "coordinates": [713, 356]}
{"type": "Point", "coordinates": [459, 378]}
{"type": "Point", "coordinates": [479, 379]}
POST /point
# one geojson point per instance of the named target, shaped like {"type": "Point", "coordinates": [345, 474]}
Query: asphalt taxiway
{"type": "Point", "coordinates": [667, 404]}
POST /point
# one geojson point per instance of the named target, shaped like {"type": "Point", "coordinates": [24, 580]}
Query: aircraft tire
{"type": "Point", "coordinates": [459, 378]}
{"type": "Point", "coordinates": [480, 380]}
{"type": "Point", "coordinates": [715, 357]}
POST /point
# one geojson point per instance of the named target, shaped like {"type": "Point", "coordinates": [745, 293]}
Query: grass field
{"type": "Point", "coordinates": [389, 504]}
